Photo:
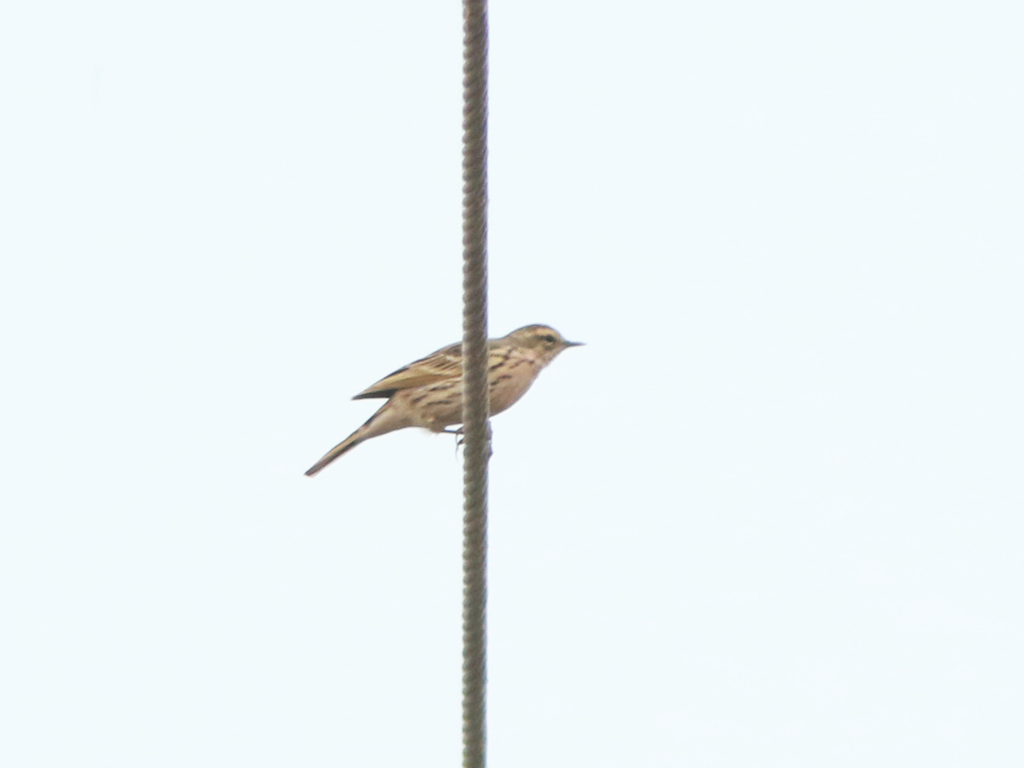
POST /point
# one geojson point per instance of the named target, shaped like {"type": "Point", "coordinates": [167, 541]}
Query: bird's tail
{"type": "Point", "coordinates": [347, 444]}
{"type": "Point", "coordinates": [380, 423]}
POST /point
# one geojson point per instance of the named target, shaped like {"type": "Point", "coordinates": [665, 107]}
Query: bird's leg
{"type": "Point", "coordinates": [460, 437]}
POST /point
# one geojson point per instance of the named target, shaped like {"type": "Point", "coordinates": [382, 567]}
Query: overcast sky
{"type": "Point", "coordinates": [770, 515]}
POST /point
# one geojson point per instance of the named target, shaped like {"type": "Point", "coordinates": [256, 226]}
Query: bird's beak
{"type": "Point", "coordinates": [574, 344]}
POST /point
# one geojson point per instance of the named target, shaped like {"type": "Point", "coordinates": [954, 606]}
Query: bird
{"type": "Point", "coordinates": [428, 392]}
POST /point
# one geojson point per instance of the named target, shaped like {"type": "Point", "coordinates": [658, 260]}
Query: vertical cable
{"type": "Point", "coordinates": [475, 402]}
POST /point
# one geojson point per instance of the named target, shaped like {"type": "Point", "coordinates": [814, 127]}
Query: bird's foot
{"type": "Point", "coordinates": [460, 437]}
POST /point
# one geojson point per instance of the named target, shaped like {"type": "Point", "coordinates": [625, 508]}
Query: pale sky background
{"type": "Point", "coordinates": [771, 515]}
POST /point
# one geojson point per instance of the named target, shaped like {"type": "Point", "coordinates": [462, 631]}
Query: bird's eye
{"type": "Point", "coordinates": [548, 338]}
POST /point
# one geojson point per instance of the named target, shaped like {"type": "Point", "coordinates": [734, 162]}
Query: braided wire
{"type": "Point", "coordinates": [475, 401]}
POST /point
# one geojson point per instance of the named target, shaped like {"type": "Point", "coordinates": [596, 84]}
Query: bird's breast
{"type": "Point", "coordinates": [509, 382]}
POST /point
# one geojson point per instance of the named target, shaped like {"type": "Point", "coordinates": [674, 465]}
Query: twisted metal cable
{"type": "Point", "coordinates": [475, 407]}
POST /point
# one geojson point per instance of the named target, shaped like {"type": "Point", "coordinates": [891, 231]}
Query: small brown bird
{"type": "Point", "coordinates": [428, 393]}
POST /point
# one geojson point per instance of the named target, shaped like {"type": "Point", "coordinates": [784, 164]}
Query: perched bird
{"type": "Point", "coordinates": [428, 393]}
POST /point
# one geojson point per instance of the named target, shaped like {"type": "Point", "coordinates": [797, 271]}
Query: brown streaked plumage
{"type": "Point", "coordinates": [428, 392]}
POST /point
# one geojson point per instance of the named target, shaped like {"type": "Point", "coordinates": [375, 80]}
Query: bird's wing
{"type": "Point", "coordinates": [443, 365]}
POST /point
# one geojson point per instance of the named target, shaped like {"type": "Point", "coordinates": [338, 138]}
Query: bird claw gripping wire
{"type": "Point", "coordinates": [460, 437]}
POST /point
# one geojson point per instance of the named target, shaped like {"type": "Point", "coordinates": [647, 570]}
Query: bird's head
{"type": "Point", "coordinates": [545, 342]}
